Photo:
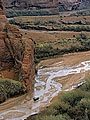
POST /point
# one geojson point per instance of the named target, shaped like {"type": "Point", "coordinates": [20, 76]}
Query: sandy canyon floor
{"type": "Point", "coordinates": [54, 76]}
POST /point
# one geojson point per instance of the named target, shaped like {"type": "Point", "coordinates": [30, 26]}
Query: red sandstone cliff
{"type": "Point", "coordinates": [16, 53]}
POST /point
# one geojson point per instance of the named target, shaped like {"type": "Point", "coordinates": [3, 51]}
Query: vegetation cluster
{"type": "Point", "coordinates": [73, 105]}
{"type": "Point", "coordinates": [10, 88]}
{"type": "Point", "coordinates": [50, 24]}
{"type": "Point", "coordinates": [43, 50]}
{"type": "Point", "coordinates": [85, 12]}
{"type": "Point", "coordinates": [14, 13]}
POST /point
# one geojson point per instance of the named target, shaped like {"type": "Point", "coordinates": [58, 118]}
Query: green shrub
{"type": "Point", "coordinates": [14, 13]}
{"type": "Point", "coordinates": [45, 51]}
{"type": "Point", "coordinates": [37, 22]}
{"type": "Point", "coordinates": [3, 94]}
{"type": "Point", "coordinates": [86, 86]}
{"type": "Point", "coordinates": [73, 105]}
{"type": "Point", "coordinates": [52, 117]}
{"type": "Point", "coordinates": [10, 88]}
{"type": "Point", "coordinates": [12, 22]}
{"type": "Point", "coordinates": [85, 12]}
{"type": "Point", "coordinates": [73, 97]}
{"type": "Point", "coordinates": [77, 28]}
{"type": "Point", "coordinates": [84, 41]}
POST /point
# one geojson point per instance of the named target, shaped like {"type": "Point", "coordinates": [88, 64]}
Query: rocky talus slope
{"type": "Point", "coordinates": [16, 53]}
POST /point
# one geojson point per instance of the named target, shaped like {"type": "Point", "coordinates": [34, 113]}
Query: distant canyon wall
{"type": "Point", "coordinates": [16, 53]}
{"type": "Point", "coordinates": [58, 5]}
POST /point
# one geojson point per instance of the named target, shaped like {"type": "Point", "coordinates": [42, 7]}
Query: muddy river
{"type": "Point", "coordinates": [54, 75]}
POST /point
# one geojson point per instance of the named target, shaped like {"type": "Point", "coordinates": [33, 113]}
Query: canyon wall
{"type": "Point", "coordinates": [53, 5]}
{"type": "Point", "coordinates": [16, 53]}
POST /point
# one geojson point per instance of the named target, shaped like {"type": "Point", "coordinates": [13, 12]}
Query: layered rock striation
{"type": "Point", "coordinates": [16, 53]}
{"type": "Point", "coordinates": [58, 5]}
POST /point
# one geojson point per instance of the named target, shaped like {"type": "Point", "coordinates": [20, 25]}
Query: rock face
{"type": "Point", "coordinates": [30, 3]}
{"type": "Point", "coordinates": [16, 53]}
{"type": "Point", "coordinates": [52, 5]}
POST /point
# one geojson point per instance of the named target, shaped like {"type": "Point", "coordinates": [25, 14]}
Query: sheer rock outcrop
{"type": "Point", "coordinates": [52, 5]}
{"type": "Point", "coordinates": [16, 53]}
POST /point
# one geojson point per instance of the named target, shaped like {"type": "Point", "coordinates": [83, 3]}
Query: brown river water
{"type": "Point", "coordinates": [55, 75]}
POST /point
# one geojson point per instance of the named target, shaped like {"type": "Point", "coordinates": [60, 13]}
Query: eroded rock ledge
{"type": "Point", "coordinates": [16, 53]}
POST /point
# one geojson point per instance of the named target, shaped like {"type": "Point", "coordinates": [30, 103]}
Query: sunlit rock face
{"type": "Point", "coordinates": [16, 53]}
